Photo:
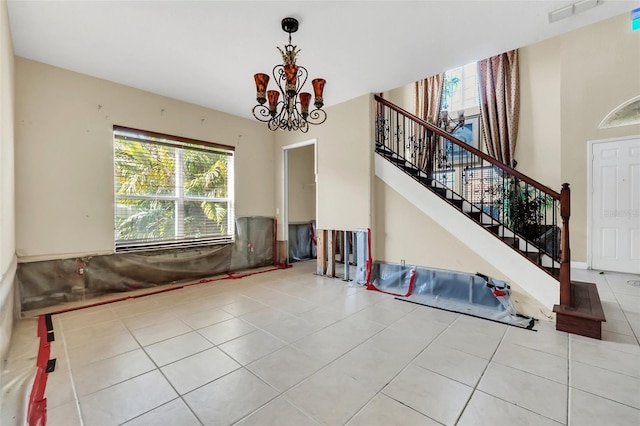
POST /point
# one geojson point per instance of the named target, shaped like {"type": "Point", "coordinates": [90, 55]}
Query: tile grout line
{"type": "Point", "coordinates": [569, 344]}
{"type": "Point", "coordinates": [502, 399]}
{"type": "Point", "coordinates": [569, 389]}
{"type": "Point", "coordinates": [333, 361]}
{"type": "Point", "coordinates": [180, 396]}
{"type": "Point", "coordinates": [242, 367]}
{"type": "Point", "coordinates": [410, 362]}
{"type": "Point", "coordinates": [624, 313]}
{"type": "Point", "coordinates": [279, 394]}
{"type": "Point", "coordinates": [325, 364]}
{"type": "Point", "coordinates": [475, 387]}
{"type": "Point", "coordinates": [73, 384]}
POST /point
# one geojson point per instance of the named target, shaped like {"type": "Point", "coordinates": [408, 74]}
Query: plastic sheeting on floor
{"type": "Point", "coordinates": [302, 243]}
{"type": "Point", "coordinates": [49, 283]}
{"type": "Point", "coordinates": [476, 295]}
{"type": "Point", "coordinates": [362, 255]}
{"type": "Point", "coordinates": [19, 372]}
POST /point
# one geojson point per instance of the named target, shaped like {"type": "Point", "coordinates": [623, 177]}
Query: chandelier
{"type": "Point", "coordinates": [292, 111]}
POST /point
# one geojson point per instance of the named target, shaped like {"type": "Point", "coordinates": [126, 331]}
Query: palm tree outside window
{"type": "Point", "coordinates": [171, 192]}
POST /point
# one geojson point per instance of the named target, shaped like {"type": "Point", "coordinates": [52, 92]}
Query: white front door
{"type": "Point", "coordinates": [615, 205]}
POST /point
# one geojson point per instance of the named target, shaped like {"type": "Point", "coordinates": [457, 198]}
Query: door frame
{"type": "Point", "coordinates": [590, 145]}
{"type": "Point", "coordinates": [285, 186]}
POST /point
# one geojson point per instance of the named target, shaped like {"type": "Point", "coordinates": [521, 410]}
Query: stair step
{"type": "Point", "coordinates": [477, 215]}
{"type": "Point", "coordinates": [440, 191]}
{"type": "Point", "coordinates": [383, 150]}
{"type": "Point", "coordinates": [395, 158]}
{"type": "Point", "coordinates": [585, 316]}
{"type": "Point", "coordinates": [554, 272]}
{"type": "Point", "coordinates": [534, 256]}
{"type": "Point", "coordinates": [410, 169]}
{"type": "Point", "coordinates": [457, 203]}
{"type": "Point", "coordinates": [511, 241]}
{"type": "Point", "coordinates": [425, 180]}
{"type": "Point", "coordinates": [492, 228]}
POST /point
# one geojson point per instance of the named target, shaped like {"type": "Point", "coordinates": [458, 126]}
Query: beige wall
{"type": "Point", "coordinates": [404, 97]}
{"type": "Point", "coordinates": [7, 200]}
{"type": "Point", "coordinates": [301, 184]}
{"type": "Point", "coordinates": [64, 156]}
{"type": "Point", "coordinates": [568, 85]}
{"type": "Point", "coordinates": [600, 70]}
{"type": "Point", "coordinates": [402, 231]}
{"type": "Point", "coordinates": [538, 148]}
{"type": "Point", "coordinates": [345, 154]}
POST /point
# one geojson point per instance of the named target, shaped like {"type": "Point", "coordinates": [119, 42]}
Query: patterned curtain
{"type": "Point", "coordinates": [428, 97]}
{"type": "Point", "coordinates": [499, 86]}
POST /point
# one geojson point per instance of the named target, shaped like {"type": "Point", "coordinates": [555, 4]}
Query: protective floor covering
{"type": "Point", "coordinates": [292, 348]}
{"type": "Point", "coordinates": [476, 295]}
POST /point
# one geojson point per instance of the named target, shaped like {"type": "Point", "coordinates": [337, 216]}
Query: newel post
{"type": "Point", "coordinates": [565, 258]}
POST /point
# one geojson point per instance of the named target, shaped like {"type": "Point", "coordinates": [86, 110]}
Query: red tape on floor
{"type": "Point", "coordinates": [37, 409]}
{"type": "Point", "coordinates": [229, 276]}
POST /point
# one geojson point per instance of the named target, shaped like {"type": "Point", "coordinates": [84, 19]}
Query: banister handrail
{"type": "Point", "coordinates": [554, 194]}
{"type": "Point", "coordinates": [522, 205]}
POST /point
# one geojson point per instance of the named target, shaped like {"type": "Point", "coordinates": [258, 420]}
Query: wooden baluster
{"type": "Point", "coordinates": [565, 256]}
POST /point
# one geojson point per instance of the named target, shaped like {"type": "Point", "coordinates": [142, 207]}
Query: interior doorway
{"type": "Point", "coordinates": [614, 205]}
{"type": "Point", "coordinates": [299, 198]}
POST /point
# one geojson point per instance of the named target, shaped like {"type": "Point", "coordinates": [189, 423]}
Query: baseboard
{"type": "Point", "coordinates": [579, 265]}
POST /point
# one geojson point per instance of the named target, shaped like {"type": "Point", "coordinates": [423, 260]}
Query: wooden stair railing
{"type": "Point", "coordinates": [407, 140]}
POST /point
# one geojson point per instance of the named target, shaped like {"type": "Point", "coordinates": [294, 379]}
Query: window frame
{"type": "Point", "coordinates": [467, 81]}
{"type": "Point", "coordinates": [178, 197]}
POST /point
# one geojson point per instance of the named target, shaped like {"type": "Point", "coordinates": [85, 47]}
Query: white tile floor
{"type": "Point", "coordinates": [292, 348]}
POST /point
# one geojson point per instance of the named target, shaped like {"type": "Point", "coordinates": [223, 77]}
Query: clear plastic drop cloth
{"type": "Point", "coordinates": [301, 245]}
{"type": "Point", "coordinates": [392, 278]}
{"type": "Point", "coordinates": [49, 283]}
{"type": "Point", "coordinates": [314, 242]}
{"type": "Point", "coordinates": [362, 255]}
{"type": "Point", "coordinates": [477, 295]}
{"type": "Point", "coordinates": [18, 372]}
{"type": "Point", "coordinates": [255, 243]}
{"type": "Point", "coordinates": [132, 271]}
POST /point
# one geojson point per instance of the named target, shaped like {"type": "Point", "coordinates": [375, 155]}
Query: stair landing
{"type": "Point", "coordinates": [585, 315]}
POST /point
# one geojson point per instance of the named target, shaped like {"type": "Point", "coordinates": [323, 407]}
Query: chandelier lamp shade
{"type": "Point", "coordinates": [288, 108]}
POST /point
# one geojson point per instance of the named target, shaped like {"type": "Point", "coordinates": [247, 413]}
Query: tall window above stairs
{"type": "Point", "coordinates": [460, 91]}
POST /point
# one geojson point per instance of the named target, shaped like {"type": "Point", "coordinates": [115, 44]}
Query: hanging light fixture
{"type": "Point", "coordinates": [292, 111]}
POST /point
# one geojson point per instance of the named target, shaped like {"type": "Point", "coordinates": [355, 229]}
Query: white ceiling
{"type": "Point", "coordinates": [206, 52]}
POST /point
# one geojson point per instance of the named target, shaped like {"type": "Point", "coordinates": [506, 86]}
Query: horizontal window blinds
{"type": "Point", "coordinates": [171, 191]}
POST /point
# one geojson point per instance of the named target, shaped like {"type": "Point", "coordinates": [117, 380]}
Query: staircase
{"type": "Point", "coordinates": [529, 218]}
{"type": "Point", "coordinates": [529, 250]}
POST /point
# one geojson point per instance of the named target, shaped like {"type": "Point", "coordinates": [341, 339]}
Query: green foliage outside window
{"type": "Point", "coordinates": [166, 192]}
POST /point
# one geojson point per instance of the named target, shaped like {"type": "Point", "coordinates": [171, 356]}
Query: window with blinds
{"type": "Point", "coordinates": [171, 191]}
